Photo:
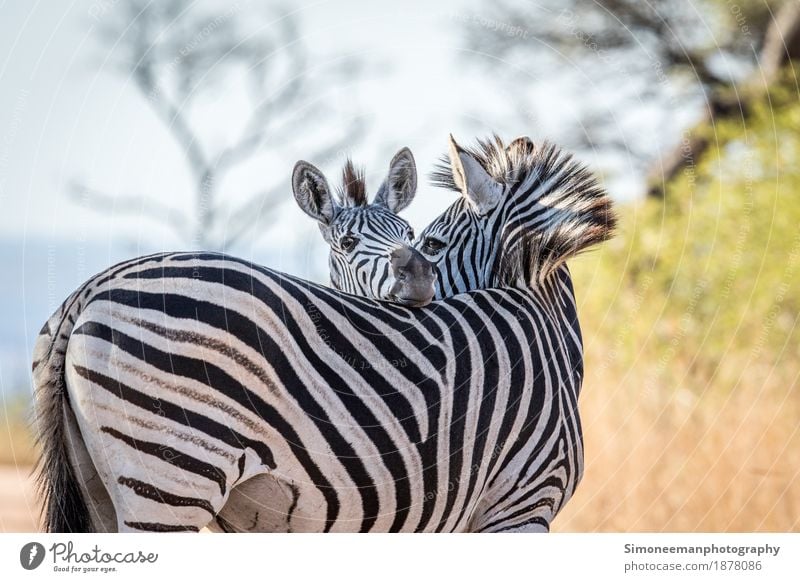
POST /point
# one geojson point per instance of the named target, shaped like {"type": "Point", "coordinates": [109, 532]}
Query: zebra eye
{"type": "Point", "coordinates": [348, 243]}
{"type": "Point", "coordinates": [410, 234]}
{"type": "Point", "coordinates": [432, 245]}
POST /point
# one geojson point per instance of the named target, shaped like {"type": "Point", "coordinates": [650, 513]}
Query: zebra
{"type": "Point", "coordinates": [499, 234]}
{"type": "Point", "coordinates": [370, 246]}
{"type": "Point", "coordinates": [274, 404]}
{"type": "Point", "coordinates": [381, 264]}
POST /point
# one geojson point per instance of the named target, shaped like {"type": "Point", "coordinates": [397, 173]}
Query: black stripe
{"type": "Point", "coordinates": [241, 466]}
{"type": "Point", "coordinates": [173, 457]}
{"type": "Point", "coordinates": [148, 491]}
{"type": "Point", "coordinates": [113, 272]}
{"type": "Point", "coordinates": [159, 527]}
{"type": "Point", "coordinates": [295, 497]}
{"type": "Point", "coordinates": [73, 300]}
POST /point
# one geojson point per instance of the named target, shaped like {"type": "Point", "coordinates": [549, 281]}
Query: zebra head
{"type": "Point", "coordinates": [523, 210]}
{"type": "Point", "coordinates": [371, 252]}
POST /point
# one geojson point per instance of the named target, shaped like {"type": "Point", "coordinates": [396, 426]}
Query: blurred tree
{"type": "Point", "coordinates": [709, 276]}
{"type": "Point", "coordinates": [176, 52]}
{"type": "Point", "coordinates": [661, 53]}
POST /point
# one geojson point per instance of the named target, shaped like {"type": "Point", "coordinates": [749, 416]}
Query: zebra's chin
{"type": "Point", "coordinates": [409, 301]}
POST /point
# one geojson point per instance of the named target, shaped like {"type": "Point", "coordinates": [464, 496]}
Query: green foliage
{"type": "Point", "coordinates": [706, 285]}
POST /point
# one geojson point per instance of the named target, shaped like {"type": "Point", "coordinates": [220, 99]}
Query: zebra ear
{"type": "Point", "coordinates": [400, 186]}
{"type": "Point", "coordinates": [521, 146]}
{"type": "Point", "coordinates": [312, 193]}
{"type": "Point", "coordinates": [481, 190]}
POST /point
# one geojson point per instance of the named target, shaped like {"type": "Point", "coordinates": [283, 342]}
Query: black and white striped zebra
{"type": "Point", "coordinates": [523, 211]}
{"type": "Point", "coordinates": [370, 246]}
{"type": "Point", "coordinates": [381, 265]}
{"type": "Point", "coordinates": [210, 391]}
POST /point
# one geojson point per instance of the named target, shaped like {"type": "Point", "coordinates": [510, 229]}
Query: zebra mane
{"type": "Point", "coordinates": [573, 211]}
{"type": "Point", "coordinates": [353, 191]}
{"type": "Point", "coordinates": [503, 163]}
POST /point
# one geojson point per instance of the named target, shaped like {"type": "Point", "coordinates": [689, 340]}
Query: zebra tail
{"type": "Point", "coordinates": [64, 509]}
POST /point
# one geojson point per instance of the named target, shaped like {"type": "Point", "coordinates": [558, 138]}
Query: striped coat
{"type": "Point", "coordinates": [194, 373]}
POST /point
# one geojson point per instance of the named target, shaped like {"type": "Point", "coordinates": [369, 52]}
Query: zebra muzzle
{"type": "Point", "coordinates": [414, 278]}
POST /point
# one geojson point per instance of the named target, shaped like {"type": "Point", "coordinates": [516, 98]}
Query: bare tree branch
{"type": "Point", "coordinates": [256, 208]}
{"type": "Point", "coordinates": [174, 51]}
{"type": "Point", "coordinates": [781, 43]}
{"type": "Point", "coordinates": [132, 205]}
{"type": "Point", "coordinates": [782, 40]}
{"type": "Point", "coordinates": [173, 118]}
{"type": "Point", "coordinates": [663, 41]}
{"type": "Point", "coordinates": [247, 215]}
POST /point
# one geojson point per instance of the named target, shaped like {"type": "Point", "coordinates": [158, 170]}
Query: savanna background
{"type": "Point", "coordinates": [134, 126]}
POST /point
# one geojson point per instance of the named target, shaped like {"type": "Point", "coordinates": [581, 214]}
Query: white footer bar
{"type": "Point", "coordinates": [267, 557]}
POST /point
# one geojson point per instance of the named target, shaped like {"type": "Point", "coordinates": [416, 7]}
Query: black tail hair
{"type": "Point", "coordinates": [64, 509]}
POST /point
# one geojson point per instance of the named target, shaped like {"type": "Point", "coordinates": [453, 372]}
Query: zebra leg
{"type": "Point", "coordinates": [145, 494]}
{"type": "Point", "coordinates": [264, 503]}
{"type": "Point", "coordinates": [152, 485]}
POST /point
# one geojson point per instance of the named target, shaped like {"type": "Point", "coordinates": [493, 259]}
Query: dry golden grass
{"type": "Point", "coordinates": [19, 500]}
{"type": "Point", "coordinates": [664, 459]}
{"type": "Point", "coordinates": [17, 444]}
